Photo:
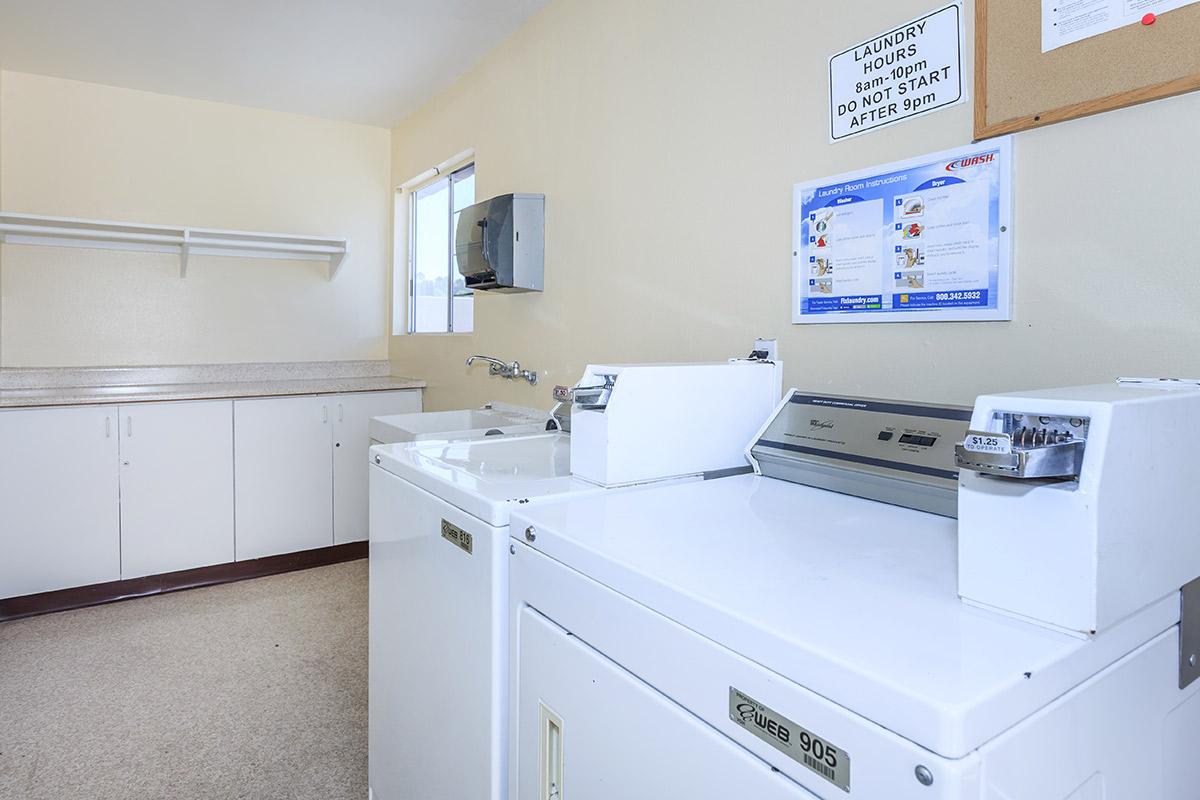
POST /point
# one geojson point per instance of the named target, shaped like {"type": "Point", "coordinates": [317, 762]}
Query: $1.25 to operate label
{"type": "Point", "coordinates": [790, 738]}
{"type": "Point", "coordinates": [978, 442]}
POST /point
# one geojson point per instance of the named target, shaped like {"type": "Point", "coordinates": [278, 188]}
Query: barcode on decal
{"type": "Point", "coordinates": [817, 766]}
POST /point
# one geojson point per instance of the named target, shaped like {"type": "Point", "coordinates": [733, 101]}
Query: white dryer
{"type": "Point", "coordinates": [800, 632]}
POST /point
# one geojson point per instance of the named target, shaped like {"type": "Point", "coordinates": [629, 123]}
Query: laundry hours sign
{"type": "Point", "coordinates": [910, 70]}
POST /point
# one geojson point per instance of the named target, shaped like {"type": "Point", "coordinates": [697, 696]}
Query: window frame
{"type": "Point", "coordinates": [408, 213]}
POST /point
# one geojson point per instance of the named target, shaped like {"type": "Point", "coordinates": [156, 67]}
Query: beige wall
{"type": "Point", "coordinates": [1, 147]}
{"type": "Point", "coordinates": [78, 149]}
{"type": "Point", "coordinates": [667, 135]}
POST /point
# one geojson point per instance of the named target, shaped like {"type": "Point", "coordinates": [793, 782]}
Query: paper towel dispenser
{"type": "Point", "coordinates": [498, 243]}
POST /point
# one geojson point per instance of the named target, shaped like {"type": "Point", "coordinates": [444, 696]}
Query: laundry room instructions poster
{"type": "Point", "coordinates": [922, 240]}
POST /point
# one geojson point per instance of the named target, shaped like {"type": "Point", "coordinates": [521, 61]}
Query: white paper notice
{"type": "Point", "coordinates": [1067, 21]}
{"type": "Point", "coordinates": [900, 74]}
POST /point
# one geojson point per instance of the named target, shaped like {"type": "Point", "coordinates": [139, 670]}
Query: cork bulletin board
{"type": "Point", "coordinates": [1018, 87]}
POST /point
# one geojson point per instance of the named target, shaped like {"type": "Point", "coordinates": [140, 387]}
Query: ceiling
{"type": "Point", "coordinates": [368, 61]}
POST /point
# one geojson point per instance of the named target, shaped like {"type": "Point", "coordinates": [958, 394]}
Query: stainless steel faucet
{"type": "Point", "coordinates": [510, 370]}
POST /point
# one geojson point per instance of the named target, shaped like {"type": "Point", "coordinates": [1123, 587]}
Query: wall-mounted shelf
{"type": "Point", "coordinates": [93, 233]}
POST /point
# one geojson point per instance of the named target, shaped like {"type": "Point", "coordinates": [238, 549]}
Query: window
{"type": "Point", "coordinates": [438, 298]}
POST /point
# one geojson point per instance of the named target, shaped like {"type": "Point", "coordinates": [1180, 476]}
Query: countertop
{"type": "Point", "coordinates": [25, 397]}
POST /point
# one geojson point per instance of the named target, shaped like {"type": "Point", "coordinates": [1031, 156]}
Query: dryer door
{"type": "Point", "coordinates": [589, 730]}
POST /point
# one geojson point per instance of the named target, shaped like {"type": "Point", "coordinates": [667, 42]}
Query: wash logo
{"type": "Point", "coordinates": [970, 161]}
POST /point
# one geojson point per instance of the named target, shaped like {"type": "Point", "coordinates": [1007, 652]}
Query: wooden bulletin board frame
{"type": "Point", "coordinates": [1018, 87]}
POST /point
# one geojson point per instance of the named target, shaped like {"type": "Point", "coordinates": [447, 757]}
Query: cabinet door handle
{"type": "Point", "coordinates": [341, 417]}
{"type": "Point", "coordinates": [324, 413]}
{"type": "Point", "coordinates": [108, 427]}
{"type": "Point", "coordinates": [129, 427]}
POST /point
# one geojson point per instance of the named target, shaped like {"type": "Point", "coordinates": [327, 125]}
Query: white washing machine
{"type": "Point", "coordinates": [800, 632]}
{"type": "Point", "coordinates": [439, 571]}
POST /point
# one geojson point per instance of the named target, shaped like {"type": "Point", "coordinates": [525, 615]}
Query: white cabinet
{"type": "Point", "coordinates": [176, 486]}
{"type": "Point", "coordinates": [283, 475]}
{"type": "Point", "coordinates": [301, 469]}
{"type": "Point", "coordinates": [59, 499]}
{"type": "Point", "coordinates": [91, 494]}
{"type": "Point", "coordinates": [351, 441]}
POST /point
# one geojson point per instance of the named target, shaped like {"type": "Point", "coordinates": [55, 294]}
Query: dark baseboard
{"type": "Point", "coordinates": [80, 596]}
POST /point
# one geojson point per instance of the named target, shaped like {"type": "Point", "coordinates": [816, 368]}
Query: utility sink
{"type": "Point", "coordinates": [466, 423]}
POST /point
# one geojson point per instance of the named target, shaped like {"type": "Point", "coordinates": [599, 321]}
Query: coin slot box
{"type": "Point", "coordinates": [1026, 446]}
{"type": "Point", "coordinates": [1077, 505]}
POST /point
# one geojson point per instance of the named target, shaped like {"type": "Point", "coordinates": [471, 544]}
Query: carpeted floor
{"type": "Point", "coordinates": [253, 690]}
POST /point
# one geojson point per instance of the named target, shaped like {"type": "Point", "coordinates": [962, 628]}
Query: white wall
{"type": "Point", "coordinates": [667, 136]}
{"type": "Point", "coordinates": [78, 149]}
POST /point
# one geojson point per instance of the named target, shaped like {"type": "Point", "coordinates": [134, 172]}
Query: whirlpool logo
{"type": "Point", "coordinates": [752, 714]}
{"type": "Point", "coordinates": [820, 424]}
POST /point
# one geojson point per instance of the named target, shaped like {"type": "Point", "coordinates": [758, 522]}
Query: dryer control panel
{"type": "Point", "coordinates": [894, 451]}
